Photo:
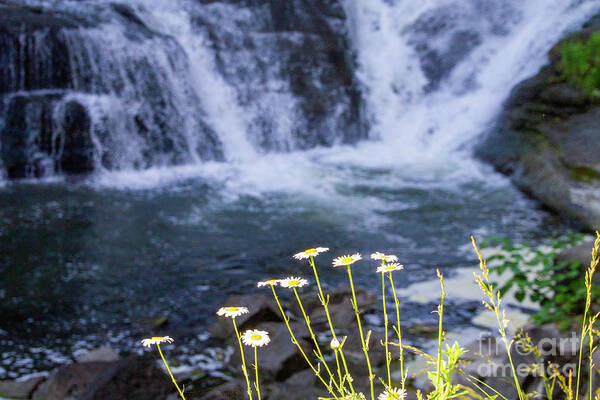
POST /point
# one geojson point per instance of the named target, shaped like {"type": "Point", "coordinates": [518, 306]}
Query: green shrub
{"type": "Point", "coordinates": [534, 274]}
{"type": "Point", "coordinates": [580, 64]}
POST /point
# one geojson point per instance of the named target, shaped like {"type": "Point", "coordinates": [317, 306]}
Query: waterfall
{"type": "Point", "coordinates": [98, 86]}
{"type": "Point", "coordinates": [179, 83]}
{"type": "Point", "coordinates": [437, 71]}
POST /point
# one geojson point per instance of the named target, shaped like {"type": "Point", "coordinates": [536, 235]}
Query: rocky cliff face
{"type": "Point", "coordinates": [548, 140]}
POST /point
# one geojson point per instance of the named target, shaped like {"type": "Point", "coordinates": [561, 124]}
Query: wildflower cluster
{"type": "Point", "coordinates": [332, 370]}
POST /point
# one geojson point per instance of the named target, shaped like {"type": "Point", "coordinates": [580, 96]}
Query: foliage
{"type": "Point", "coordinates": [338, 381]}
{"type": "Point", "coordinates": [556, 287]}
{"type": "Point", "coordinates": [580, 64]}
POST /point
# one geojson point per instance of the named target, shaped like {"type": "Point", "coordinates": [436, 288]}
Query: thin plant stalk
{"type": "Point", "coordinates": [590, 355]}
{"type": "Point", "coordinates": [388, 356]}
{"type": "Point", "coordinates": [398, 330]}
{"type": "Point", "coordinates": [360, 330]}
{"type": "Point", "coordinates": [169, 370]}
{"type": "Point", "coordinates": [244, 369]}
{"type": "Point", "coordinates": [287, 324]}
{"type": "Point", "coordinates": [339, 370]}
{"type": "Point", "coordinates": [494, 305]}
{"type": "Point", "coordinates": [325, 304]}
{"type": "Point", "coordinates": [315, 341]}
{"type": "Point", "coordinates": [589, 274]}
{"type": "Point", "coordinates": [440, 312]}
{"type": "Point", "coordinates": [256, 372]}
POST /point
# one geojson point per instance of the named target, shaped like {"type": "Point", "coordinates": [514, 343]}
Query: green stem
{"type": "Point", "coordinates": [440, 332]}
{"type": "Point", "coordinates": [360, 330]}
{"type": "Point", "coordinates": [256, 371]}
{"type": "Point", "coordinates": [325, 305]}
{"type": "Point", "coordinates": [388, 356]}
{"type": "Point", "coordinates": [244, 369]}
{"type": "Point", "coordinates": [314, 339]}
{"type": "Point", "coordinates": [591, 354]}
{"type": "Point", "coordinates": [339, 370]}
{"type": "Point", "coordinates": [287, 324]}
{"type": "Point", "coordinates": [169, 370]}
{"type": "Point", "coordinates": [397, 303]}
{"type": "Point", "coordinates": [588, 283]}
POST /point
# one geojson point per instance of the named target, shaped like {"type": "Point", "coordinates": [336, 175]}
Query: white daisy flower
{"type": "Point", "coordinates": [270, 282]}
{"type": "Point", "coordinates": [310, 253]}
{"type": "Point", "coordinates": [254, 338]}
{"type": "Point", "coordinates": [392, 394]}
{"type": "Point", "coordinates": [384, 257]}
{"type": "Point", "coordinates": [346, 260]}
{"type": "Point", "coordinates": [389, 267]}
{"type": "Point", "coordinates": [232, 312]}
{"type": "Point", "coordinates": [156, 340]}
{"type": "Point", "coordinates": [293, 282]}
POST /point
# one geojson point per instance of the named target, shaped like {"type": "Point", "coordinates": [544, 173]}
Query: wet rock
{"type": "Point", "coordinates": [130, 378]}
{"type": "Point", "coordinates": [340, 308]}
{"type": "Point", "coordinates": [300, 386]}
{"type": "Point", "coordinates": [44, 134]}
{"type": "Point", "coordinates": [234, 390]}
{"type": "Point", "coordinates": [546, 140]}
{"type": "Point", "coordinates": [261, 309]}
{"type": "Point", "coordinates": [280, 358]}
{"type": "Point", "coordinates": [581, 253]}
{"type": "Point", "coordinates": [488, 360]}
{"type": "Point", "coordinates": [19, 389]}
{"type": "Point", "coordinates": [101, 354]}
{"type": "Point", "coordinates": [355, 356]}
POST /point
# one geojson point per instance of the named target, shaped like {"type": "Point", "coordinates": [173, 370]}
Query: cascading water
{"type": "Point", "coordinates": [220, 137]}
{"type": "Point", "coordinates": [436, 72]}
{"type": "Point", "coordinates": [177, 84]}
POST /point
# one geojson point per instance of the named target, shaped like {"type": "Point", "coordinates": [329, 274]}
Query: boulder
{"type": "Point", "coordinates": [547, 140]}
{"type": "Point", "coordinates": [340, 308]}
{"type": "Point", "coordinates": [280, 358]}
{"type": "Point", "coordinates": [19, 389]}
{"type": "Point", "coordinates": [101, 354]}
{"type": "Point", "coordinates": [487, 361]}
{"type": "Point", "coordinates": [300, 386]}
{"type": "Point", "coordinates": [131, 378]}
{"type": "Point", "coordinates": [233, 390]}
{"type": "Point", "coordinates": [581, 253]}
{"type": "Point", "coordinates": [46, 133]}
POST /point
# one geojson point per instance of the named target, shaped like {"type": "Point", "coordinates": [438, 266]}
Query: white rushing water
{"type": "Point", "coordinates": [483, 49]}
{"type": "Point", "coordinates": [434, 75]}
{"type": "Point", "coordinates": [418, 128]}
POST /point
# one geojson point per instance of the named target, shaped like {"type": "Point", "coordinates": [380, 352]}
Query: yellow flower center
{"type": "Point", "coordinates": [347, 260]}
{"type": "Point", "coordinates": [310, 251]}
{"type": "Point", "coordinates": [271, 281]}
{"type": "Point", "coordinates": [156, 337]}
{"type": "Point", "coordinates": [232, 309]}
{"type": "Point", "coordinates": [255, 337]}
{"type": "Point", "coordinates": [293, 283]}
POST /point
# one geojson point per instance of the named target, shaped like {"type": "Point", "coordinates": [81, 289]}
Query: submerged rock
{"type": "Point", "coordinates": [548, 141]}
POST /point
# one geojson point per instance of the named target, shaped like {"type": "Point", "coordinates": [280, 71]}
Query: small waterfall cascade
{"type": "Point", "coordinates": [95, 85]}
{"type": "Point", "coordinates": [436, 72]}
